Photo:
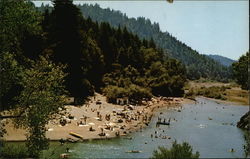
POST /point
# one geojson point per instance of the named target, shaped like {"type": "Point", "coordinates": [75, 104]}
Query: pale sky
{"type": "Point", "coordinates": [210, 27]}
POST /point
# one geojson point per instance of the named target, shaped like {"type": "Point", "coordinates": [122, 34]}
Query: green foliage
{"type": "Point", "coordinates": [2, 132]}
{"type": "Point", "coordinates": [166, 79]}
{"type": "Point", "coordinates": [125, 83]}
{"type": "Point", "coordinates": [241, 71]}
{"type": "Point", "coordinates": [70, 45]}
{"type": "Point", "coordinates": [197, 65]}
{"type": "Point", "coordinates": [42, 92]}
{"type": "Point", "coordinates": [17, 19]}
{"type": "Point", "coordinates": [210, 92]}
{"type": "Point", "coordinates": [18, 28]}
{"type": "Point", "coordinates": [114, 92]}
{"type": "Point", "coordinates": [14, 151]}
{"type": "Point", "coordinates": [223, 60]}
{"type": "Point", "coordinates": [177, 151]}
{"type": "Point", "coordinates": [34, 88]}
{"type": "Point", "coordinates": [10, 80]}
{"type": "Point", "coordinates": [104, 56]}
{"type": "Point", "coordinates": [137, 93]}
{"type": "Point", "coordinates": [247, 145]}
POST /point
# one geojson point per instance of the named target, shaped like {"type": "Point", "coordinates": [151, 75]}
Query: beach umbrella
{"type": "Point", "coordinates": [111, 124]}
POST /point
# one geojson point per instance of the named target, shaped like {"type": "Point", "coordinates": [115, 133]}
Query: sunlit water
{"type": "Point", "coordinates": [209, 127]}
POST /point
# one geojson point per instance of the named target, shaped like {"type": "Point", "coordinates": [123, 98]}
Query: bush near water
{"type": "Point", "coordinates": [177, 151]}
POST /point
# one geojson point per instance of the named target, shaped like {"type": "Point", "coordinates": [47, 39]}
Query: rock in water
{"type": "Point", "coordinates": [244, 121]}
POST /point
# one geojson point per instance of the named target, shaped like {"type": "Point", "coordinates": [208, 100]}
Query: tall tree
{"type": "Point", "coordinates": [197, 65]}
{"type": "Point", "coordinates": [67, 41]}
{"type": "Point", "coordinates": [39, 102]}
{"type": "Point", "coordinates": [10, 73]}
{"type": "Point", "coordinates": [18, 19]}
{"type": "Point", "coordinates": [241, 71]}
{"type": "Point", "coordinates": [19, 26]}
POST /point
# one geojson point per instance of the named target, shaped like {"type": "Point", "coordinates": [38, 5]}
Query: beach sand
{"type": "Point", "coordinates": [123, 120]}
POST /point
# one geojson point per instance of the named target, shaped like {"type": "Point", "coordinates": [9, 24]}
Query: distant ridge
{"type": "Point", "coordinates": [222, 60]}
{"type": "Point", "coordinates": [197, 65]}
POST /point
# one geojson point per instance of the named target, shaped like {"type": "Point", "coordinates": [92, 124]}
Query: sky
{"type": "Point", "coordinates": [209, 27]}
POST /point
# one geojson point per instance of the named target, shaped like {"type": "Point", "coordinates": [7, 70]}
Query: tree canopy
{"type": "Point", "coordinates": [241, 71]}
{"type": "Point", "coordinates": [31, 85]}
{"type": "Point", "coordinates": [177, 151]}
{"type": "Point", "coordinates": [197, 65]}
{"type": "Point", "coordinates": [100, 57]}
{"type": "Point", "coordinates": [46, 56]}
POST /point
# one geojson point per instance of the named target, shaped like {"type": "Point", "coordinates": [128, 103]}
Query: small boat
{"type": "Point", "coordinates": [64, 155]}
{"type": "Point", "coordinates": [231, 150]}
{"type": "Point", "coordinates": [71, 140]}
{"type": "Point", "coordinates": [122, 134]}
{"type": "Point", "coordinates": [133, 151]}
{"type": "Point", "coordinates": [164, 137]}
{"type": "Point", "coordinates": [162, 123]}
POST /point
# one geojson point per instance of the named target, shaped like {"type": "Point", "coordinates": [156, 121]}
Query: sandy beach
{"type": "Point", "coordinates": [98, 119]}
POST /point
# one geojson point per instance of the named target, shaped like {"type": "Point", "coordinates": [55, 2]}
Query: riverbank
{"type": "Point", "coordinates": [200, 124]}
{"type": "Point", "coordinates": [226, 93]}
{"type": "Point", "coordinates": [98, 120]}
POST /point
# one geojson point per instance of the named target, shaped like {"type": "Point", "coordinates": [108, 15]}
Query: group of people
{"type": "Point", "coordinates": [81, 122]}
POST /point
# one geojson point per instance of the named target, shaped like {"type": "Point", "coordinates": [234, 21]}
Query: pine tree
{"type": "Point", "coordinates": [67, 41]}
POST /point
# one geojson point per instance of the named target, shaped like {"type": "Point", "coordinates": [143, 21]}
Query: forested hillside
{"type": "Point", "coordinates": [50, 55]}
{"type": "Point", "coordinates": [222, 60]}
{"type": "Point", "coordinates": [197, 65]}
{"type": "Point", "coordinates": [96, 56]}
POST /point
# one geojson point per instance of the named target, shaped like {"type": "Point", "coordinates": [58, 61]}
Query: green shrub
{"type": "Point", "coordinates": [247, 144]}
{"type": "Point", "coordinates": [177, 151]}
{"type": "Point", "coordinates": [212, 92]}
{"type": "Point", "coordinates": [190, 93]}
{"type": "Point", "coordinates": [14, 151]}
{"type": "Point", "coordinates": [137, 93]}
{"type": "Point", "coordinates": [114, 92]}
{"type": "Point", "coordinates": [134, 92]}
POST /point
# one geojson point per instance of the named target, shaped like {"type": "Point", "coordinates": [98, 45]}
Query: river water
{"type": "Point", "coordinates": [208, 126]}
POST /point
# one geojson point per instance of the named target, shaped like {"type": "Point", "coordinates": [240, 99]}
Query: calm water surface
{"type": "Point", "coordinates": [208, 126]}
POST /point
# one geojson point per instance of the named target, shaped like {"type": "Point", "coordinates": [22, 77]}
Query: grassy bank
{"type": "Point", "coordinates": [19, 150]}
{"type": "Point", "coordinates": [222, 91]}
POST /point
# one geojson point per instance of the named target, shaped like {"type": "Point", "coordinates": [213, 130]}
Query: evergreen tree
{"type": "Point", "coordinates": [67, 42]}
{"type": "Point", "coordinates": [20, 29]}
{"type": "Point", "coordinates": [241, 70]}
{"type": "Point", "coordinates": [197, 65]}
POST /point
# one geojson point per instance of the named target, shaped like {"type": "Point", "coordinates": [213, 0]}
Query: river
{"type": "Point", "coordinates": [208, 126]}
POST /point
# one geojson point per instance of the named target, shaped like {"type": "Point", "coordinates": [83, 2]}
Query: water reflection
{"type": "Point", "coordinates": [208, 126]}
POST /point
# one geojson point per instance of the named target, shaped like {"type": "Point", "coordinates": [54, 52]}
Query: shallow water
{"type": "Point", "coordinates": [212, 138]}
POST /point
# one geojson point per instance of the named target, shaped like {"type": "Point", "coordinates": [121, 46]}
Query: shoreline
{"type": "Point", "coordinates": [224, 101]}
{"type": "Point", "coordinates": [122, 119]}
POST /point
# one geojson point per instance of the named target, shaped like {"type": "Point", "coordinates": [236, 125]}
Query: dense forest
{"type": "Point", "coordinates": [222, 60]}
{"type": "Point", "coordinates": [51, 55]}
{"type": "Point", "coordinates": [95, 56]}
{"type": "Point", "coordinates": [197, 65]}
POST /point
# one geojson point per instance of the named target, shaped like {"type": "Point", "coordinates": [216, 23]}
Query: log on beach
{"type": "Point", "coordinates": [76, 135]}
